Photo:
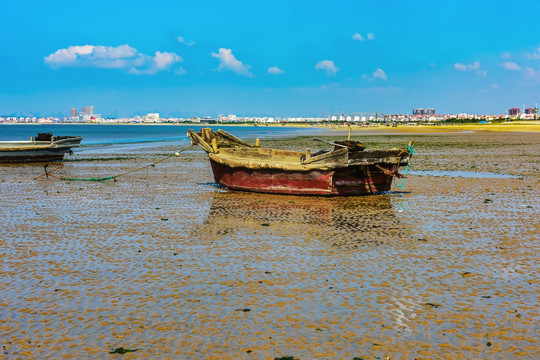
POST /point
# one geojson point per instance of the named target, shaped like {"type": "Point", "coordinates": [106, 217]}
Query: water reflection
{"type": "Point", "coordinates": [342, 220]}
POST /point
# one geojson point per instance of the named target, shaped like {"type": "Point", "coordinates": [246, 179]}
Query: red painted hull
{"type": "Point", "coordinates": [354, 180]}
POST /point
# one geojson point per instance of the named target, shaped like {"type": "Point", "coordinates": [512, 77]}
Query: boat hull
{"type": "Point", "coordinates": [42, 155]}
{"type": "Point", "coordinates": [354, 180]}
{"type": "Point", "coordinates": [37, 151]}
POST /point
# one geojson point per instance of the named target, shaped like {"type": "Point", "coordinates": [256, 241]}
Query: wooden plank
{"type": "Point", "coordinates": [233, 138]}
{"type": "Point", "coordinates": [197, 140]}
{"type": "Point", "coordinates": [337, 154]}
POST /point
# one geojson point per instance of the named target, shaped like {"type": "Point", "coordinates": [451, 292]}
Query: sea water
{"type": "Point", "coordinates": [115, 134]}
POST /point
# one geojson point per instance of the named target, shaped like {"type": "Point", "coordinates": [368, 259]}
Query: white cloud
{"type": "Point", "coordinates": [123, 57]}
{"type": "Point", "coordinates": [528, 73]}
{"type": "Point", "coordinates": [357, 36]}
{"type": "Point", "coordinates": [154, 64]}
{"type": "Point", "coordinates": [467, 67]}
{"type": "Point", "coordinates": [180, 71]}
{"type": "Point", "coordinates": [495, 86]}
{"type": "Point", "coordinates": [380, 74]}
{"type": "Point", "coordinates": [183, 41]}
{"type": "Point", "coordinates": [471, 67]}
{"type": "Point", "coordinates": [274, 70]}
{"type": "Point", "coordinates": [164, 59]}
{"type": "Point", "coordinates": [506, 55]}
{"type": "Point", "coordinates": [534, 55]}
{"type": "Point", "coordinates": [107, 57]}
{"type": "Point", "coordinates": [68, 56]}
{"type": "Point", "coordinates": [227, 61]}
{"type": "Point", "coordinates": [328, 67]}
{"type": "Point", "coordinates": [510, 65]}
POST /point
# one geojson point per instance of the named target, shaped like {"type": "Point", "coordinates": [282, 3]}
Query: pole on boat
{"type": "Point", "coordinates": [308, 154]}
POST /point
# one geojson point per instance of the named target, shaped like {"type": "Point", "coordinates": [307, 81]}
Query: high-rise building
{"type": "Point", "coordinates": [514, 111]}
{"type": "Point", "coordinates": [421, 111]}
{"type": "Point", "coordinates": [529, 111]}
{"type": "Point", "coordinates": [73, 112]}
{"type": "Point", "coordinates": [88, 110]}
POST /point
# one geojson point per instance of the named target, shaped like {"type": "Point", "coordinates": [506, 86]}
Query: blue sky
{"type": "Point", "coordinates": [279, 58]}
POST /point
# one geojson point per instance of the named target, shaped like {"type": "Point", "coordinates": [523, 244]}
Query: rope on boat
{"type": "Point", "coordinates": [113, 177]}
{"type": "Point", "coordinates": [410, 148]}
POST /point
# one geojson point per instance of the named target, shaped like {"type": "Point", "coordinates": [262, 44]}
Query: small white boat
{"type": "Point", "coordinates": [45, 147]}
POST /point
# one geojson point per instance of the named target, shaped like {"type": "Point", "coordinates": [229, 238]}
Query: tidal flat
{"type": "Point", "coordinates": [164, 262]}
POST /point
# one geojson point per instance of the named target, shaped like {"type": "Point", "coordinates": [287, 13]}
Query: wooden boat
{"type": "Point", "coordinates": [45, 147]}
{"type": "Point", "coordinates": [347, 170]}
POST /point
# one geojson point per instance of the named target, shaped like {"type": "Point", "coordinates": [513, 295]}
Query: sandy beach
{"type": "Point", "coordinates": [164, 262]}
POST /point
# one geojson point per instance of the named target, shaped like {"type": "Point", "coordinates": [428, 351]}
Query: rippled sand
{"type": "Point", "coordinates": [167, 263]}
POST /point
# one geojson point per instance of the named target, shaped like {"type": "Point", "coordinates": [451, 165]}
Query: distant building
{"type": "Point", "coordinates": [73, 112]}
{"type": "Point", "coordinates": [88, 110]}
{"type": "Point", "coordinates": [530, 111]}
{"type": "Point", "coordinates": [422, 111]}
{"type": "Point", "coordinates": [152, 118]}
{"type": "Point", "coordinates": [514, 111]}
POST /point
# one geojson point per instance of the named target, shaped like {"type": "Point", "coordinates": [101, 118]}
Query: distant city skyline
{"type": "Point", "coordinates": [279, 58]}
{"type": "Point", "coordinates": [88, 111]}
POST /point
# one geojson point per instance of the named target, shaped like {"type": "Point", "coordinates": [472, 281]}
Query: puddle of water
{"type": "Point", "coordinates": [463, 174]}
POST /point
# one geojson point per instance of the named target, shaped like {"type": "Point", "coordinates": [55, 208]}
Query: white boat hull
{"type": "Point", "coordinates": [37, 151]}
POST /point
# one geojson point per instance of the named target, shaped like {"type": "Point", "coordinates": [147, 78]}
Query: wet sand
{"type": "Point", "coordinates": [167, 263]}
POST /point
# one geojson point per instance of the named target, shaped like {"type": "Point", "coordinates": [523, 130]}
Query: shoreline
{"type": "Point", "coordinates": [518, 126]}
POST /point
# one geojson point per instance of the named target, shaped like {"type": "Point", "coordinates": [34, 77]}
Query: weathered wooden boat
{"type": "Point", "coordinates": [44, 147]}
{"type": "Point", "coordinates": [346, 170]}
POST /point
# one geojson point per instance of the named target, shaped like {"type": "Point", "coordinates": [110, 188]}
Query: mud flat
{"type": "Point", "coordinates": [512, 126]}
{"type": "Point", "coordinates": [165, 262]}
